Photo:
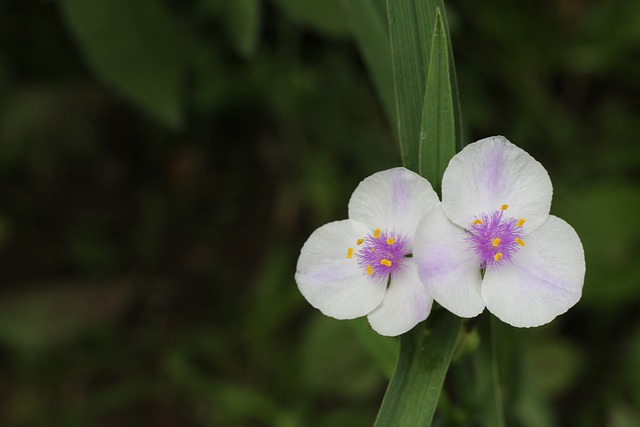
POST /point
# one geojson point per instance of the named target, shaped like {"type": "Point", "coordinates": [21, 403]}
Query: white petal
{"type": "Point", "coordinates": [329, 280]}
{"type": "Point", "coordinates": [406, 303]}
{"type": "Point", "coordinates": [544, 281]}
{"type": "Point", "coordinates": [447, 265]}
{"type": "Point", "coordinates": [492, 172]}
{"type": "Point", "coordinates": [395, 199]}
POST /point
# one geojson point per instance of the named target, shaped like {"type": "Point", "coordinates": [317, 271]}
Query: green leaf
{"type": "Point", "coordinates": [610, 251]}
{"type": "Point", "coordinates": [438, 130]}
{"type": "Point", "coordinates": [411, 27]}
{"type": "Point", "coordinates": [369, 29]}
{"type": "Point", "coordinates": [134, 47]}
{"type": "Point", "coordinates": [384, 350]}
{"type": "Point", "coordinates": [425, 355]}
{"type": "Point", "coordinates": [243, 24]}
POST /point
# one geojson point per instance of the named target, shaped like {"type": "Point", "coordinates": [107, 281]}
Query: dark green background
{"type": "Point", "coordinates": [162, 162]}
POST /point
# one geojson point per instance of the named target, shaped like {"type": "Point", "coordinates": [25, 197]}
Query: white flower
{"type": "Point", "coordinates": [494, 219]}
{"type": "Point", "coordinates": [363, 265]}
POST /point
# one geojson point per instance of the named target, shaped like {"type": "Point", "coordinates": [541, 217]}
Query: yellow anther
{"type": "Point", "coordinates": [504, 207]}
{"type": "Point", "coordinates": [390, 241]}
{"type": "Point", "coordinates": [477, 221]}
{"type": "Point", "coordinates": [519, 241]}
{"type": "Point", "coordinates": [521, 222]}
{"type": "Point", "coordinates": [386, 262]}
{"type": "Point", "coordinates": [496, 241]}
{"type": "Point", "coordinates": [369, 270]}
{"type": "Point", "coordinates": [497, 256]}
{"type": "Point", "coordinates": [359, 242]}
{"type": "Point", "coordinates": [350, 253]}
{"type": "Point", "coordinates": [376, 233]}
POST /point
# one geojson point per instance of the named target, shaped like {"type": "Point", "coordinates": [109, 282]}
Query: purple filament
{"type": "Point", "coordinates": [483, 235]}
{"type": "Point", "coordinates": [375, 252]}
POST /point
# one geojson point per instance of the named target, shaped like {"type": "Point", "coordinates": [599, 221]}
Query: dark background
{"type": "Point", "coordinates": [162, 162]}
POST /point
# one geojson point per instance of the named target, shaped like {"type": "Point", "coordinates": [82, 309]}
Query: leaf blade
{"type": "Point", "coordinates": [438, 128]}
{"type": "Point", "coordinates": [425, 354]}
{"type": "Point", "coordinates": [134, 48]}
{"type": "Point", "coordinates": [368, 28]}
{"type": "Point", "coordinates": [411, 26]}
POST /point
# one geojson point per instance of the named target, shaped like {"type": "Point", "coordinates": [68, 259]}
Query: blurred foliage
{"type": "Point", "coordinates": [162, 163]}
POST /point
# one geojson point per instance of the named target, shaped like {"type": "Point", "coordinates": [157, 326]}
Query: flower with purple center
{"type": "Point", "coordinates": [363, 266]}
{"type": "Point", "coordinates": [492, 243]}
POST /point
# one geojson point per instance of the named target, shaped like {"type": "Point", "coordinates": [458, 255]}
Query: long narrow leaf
{"type": "Point", "coordinates": [369, 29]}
{"type": "Point", "coordinates": [411, 26]}
{"type": "Point", "coordinates": [438, 130]}
{"type": "Point", "coordinates": [409, 75]}
{"type": "Point", "coordinates": [414, 390]}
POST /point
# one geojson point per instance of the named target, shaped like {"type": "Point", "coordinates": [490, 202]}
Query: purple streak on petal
{"type": "Point", "coordinates": [493, 170]}
{"type": "Point", "coordinates": [401, 196]}
{"type": "Point", "coordinates": [421, 304]}
{"type": "Point", "coordinates": [330, 275]}
{"type": "Point", "coordinates": [437, 264]}
{"type": "Point", "coordinates": [550, 282]}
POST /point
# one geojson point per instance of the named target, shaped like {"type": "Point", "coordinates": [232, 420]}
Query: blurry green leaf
{"type": "Point", "coordinates": [333, 362]}
{"type": "Point", "coordinates": [438, 133]}
{"type": "Point", "coordinates": [425, 354]}
{"type": "Point", "coordinates": [468, 342]}
{"type": "Point", "coordinates": [134, 47]}
{"type": "Point", "coordinates": [632, 368]}
{"type": "Point", "coordinates": [236, 404]}
{"type": "Point", "coordinates": [325, 16]}
{"type": "Point", "coordinates": [275, 295]}
{"type": "Point", "coordinates": [621, 415]}
{"type": "Point", "coordinates": [383, 349]}
{"type": "Point", "coordinates": [532, 408]}
{"type": "Point", "coordinates": [611, 246]}
{"type": "Point", "coordinates": [370, 31]}
{"type": "Point", "coordinates": [35, 319]}
{"type": "Point", "coordinates": [556, 364]}
{"type": "Point", "coordinates": [243, 24]}
{"type": "Point", "coordinates": [411, 24]}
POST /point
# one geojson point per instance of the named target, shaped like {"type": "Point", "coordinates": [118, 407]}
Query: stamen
{"type": "Point", "coordinates": [521, 222]}
{"type": "Point", "coordinates": [350, 253]}
{"type": "Point", "coordinates": [497, 239]}
{"type": "Point", "coordinates": [504, 207]}
{"type": "Point", "coordinates": [477, 221]}
{"type": "Point", "coordinates": [359, 242]}
{"type": "Point", "coordinates": [382, 254]}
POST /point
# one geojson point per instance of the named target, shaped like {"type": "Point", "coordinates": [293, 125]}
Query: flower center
{"type": "Point", "coordinates": [380, 254]}
{"type": "Point", "coordinates": [495, 238]}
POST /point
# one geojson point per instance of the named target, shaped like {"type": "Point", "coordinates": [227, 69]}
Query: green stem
{"type": "Point", "coordinates": [425, 354]}
{"type": "Point", "coordinates": [497, 394]}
